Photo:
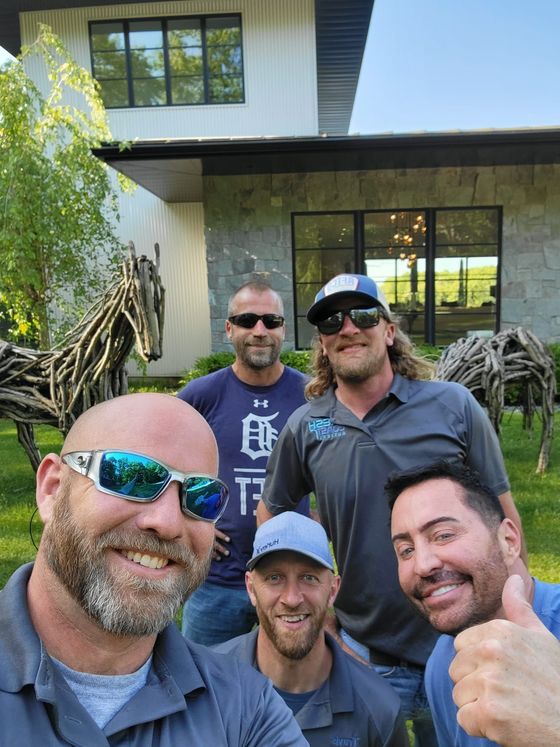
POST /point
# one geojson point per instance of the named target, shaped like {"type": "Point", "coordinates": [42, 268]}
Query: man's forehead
{"type": "Point", "coordinates": [248, 296]}
{"type": "Point", "coordinates": [436, 497]}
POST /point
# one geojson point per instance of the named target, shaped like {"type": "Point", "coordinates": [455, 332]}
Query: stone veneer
{"type": "Point", "coordinates": [248, 229]}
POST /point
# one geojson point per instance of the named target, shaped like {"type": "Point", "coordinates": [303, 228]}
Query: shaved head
{"type": "Point", "coordinates": [159, 425]}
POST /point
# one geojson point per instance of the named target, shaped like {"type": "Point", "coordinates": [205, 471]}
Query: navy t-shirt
{"type": "Point", "coordinates": [246, 421]}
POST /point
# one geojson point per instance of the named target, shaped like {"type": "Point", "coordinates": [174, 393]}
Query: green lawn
{"type": "Point", "coordinates": [536, 497]}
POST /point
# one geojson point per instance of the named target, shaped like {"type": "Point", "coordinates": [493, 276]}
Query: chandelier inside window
{"type": "Point", "coordinates": [408, 232]}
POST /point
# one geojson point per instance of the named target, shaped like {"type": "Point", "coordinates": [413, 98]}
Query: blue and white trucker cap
{"type": "Point", "coordinates": [359, 287]}
{"type": "Point", "coordinates": [295, 532]}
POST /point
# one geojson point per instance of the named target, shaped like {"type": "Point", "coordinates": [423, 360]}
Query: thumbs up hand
{"type": "Point", "coordinates": [507, 676]}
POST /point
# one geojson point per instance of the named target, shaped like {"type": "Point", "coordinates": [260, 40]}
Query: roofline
{"type": "Point", "coordinates": [174, 169]}
{"type": "Point", "coordinates": [200, 147]}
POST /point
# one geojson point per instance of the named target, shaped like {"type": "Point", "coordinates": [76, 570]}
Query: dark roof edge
{"type": "Point", "coordinates": [241, 146]}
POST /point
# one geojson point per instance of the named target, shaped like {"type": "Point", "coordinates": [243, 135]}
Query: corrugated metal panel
{"type": "Point", "coordinates": [179, 230]}
{"type": "Point", "coordinates": [279, 64]}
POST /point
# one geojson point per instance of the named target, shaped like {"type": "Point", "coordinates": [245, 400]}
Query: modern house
{"type": "Point", "coordinates": [239, 113]}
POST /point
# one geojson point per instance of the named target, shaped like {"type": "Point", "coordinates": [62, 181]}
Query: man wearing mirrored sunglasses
{"type": "Point", "coordinates": [246, 405]}
{"type": "Point", "coordinates": [89, 649]}
{"type": "Point", "coordinates": [372, 412]}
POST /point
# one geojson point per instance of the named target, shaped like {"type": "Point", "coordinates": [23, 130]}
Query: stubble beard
{"type": "Point", "coordinates": [258, 358]}
{"type": "Point", "coordinates": [294, 645]}
{"type": "Point", "coordinates": [120, 602]}
{"type": "Point", "coordinates": [356, 372]}
{"type": "Point", "coordinates": [487, 579]}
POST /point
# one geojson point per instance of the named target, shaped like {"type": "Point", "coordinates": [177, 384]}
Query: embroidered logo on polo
{"type": "Point", "coordinates": [345, 741]}
{"type": "Point", "coordinates": [324, 429]}
{"type": "Point", "coordinates": [259, 435]}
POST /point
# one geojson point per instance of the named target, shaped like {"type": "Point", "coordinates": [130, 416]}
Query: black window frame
{"type": "Point", "coordinates": [430, 257]}
{"type": "Point", "coordinates": [165, 48]}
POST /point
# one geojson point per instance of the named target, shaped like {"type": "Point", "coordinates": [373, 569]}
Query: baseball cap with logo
{"type": "Point", "coordinates": [295, 532]}
{"type": "Point", "coordinates": [361, 288]}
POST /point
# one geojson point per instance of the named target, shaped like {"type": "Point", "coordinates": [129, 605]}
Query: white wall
{"type": "Point", "coordinates": [179, 230]}
{"type": "Point", "coordinates": [279, 66]}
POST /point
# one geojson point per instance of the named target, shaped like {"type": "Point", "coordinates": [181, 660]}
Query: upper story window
{"type": "Point", "coordinates": [168, 61]}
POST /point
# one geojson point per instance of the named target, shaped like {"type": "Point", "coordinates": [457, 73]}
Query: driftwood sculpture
{"type": "Point", "coordinates": [54, 387]}
{"type": "Point", "coordinates": [488, 367]}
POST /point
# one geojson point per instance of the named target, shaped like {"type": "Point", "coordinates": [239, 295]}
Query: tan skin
{"type": "Point", "coordinates": [352, 346]}
{"type": "Point", "coordinates": [249, 300]}
{"type": "Point", "coordinates": [507, 676]}
{"type": "Point", "coordinates": [151, 424]}
{"type": "Point", "coordinates": [287, 584]}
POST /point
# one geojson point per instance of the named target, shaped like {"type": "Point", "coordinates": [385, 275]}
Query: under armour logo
{"type": "Point", "coordinates": [259, 402]}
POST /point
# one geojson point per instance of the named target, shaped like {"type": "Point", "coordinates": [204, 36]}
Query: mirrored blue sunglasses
{"type": "Point", "coordinates": [140, 478]}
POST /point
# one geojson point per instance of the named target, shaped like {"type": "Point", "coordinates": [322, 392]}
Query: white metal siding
{"type": "Point", "coordinates": [179, 230]}
{"type": "Point", "coordinates": [279, 66]}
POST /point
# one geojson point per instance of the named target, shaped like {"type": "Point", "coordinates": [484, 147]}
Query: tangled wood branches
{"type": "Point", "coordinates": [55, 386]}
{"type": "Point", "coordinates": [512, 357]}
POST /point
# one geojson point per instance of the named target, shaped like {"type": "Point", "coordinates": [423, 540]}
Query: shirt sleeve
{"type": "Point", "coordinates": [484, 452]}
{"type": "Point", "coordinates": [285, 484]}
{"type": "Point", "coordinates": [273, 724]}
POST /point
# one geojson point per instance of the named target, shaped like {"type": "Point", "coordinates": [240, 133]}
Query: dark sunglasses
{"type": "Point", "coordinates": [248, 321]}
{"type": "Point", "coordinates": [361, 318]}
{"type": "Point", "coordinates": [136, 477]}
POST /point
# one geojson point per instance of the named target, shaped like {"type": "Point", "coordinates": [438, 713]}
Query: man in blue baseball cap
{"type": "Point", "coordinates": [373, 411]}
{"type": "Point", "coordinates": [291, 582]}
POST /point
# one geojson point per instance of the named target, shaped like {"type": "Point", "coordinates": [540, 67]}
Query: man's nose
{"type": "Point", "coordinates": [348, 326]}
{"type": "Point", "coordinates": [426, 559]}
{"type": "Point", "coordinates": [164, 515]}
{"type": "Point", "coordinates": [292, 595]}
{"type": "Point", "coordinates": [260, 329]}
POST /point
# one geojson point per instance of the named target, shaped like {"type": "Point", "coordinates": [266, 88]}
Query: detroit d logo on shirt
{"type": "Point", "coordinates": [259, 435]}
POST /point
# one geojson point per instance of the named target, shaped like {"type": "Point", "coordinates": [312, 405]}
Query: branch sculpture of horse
{"type": "Point", "coordinates": [488, 366]}
{"type": "Point", "coordinates": [54, 387]}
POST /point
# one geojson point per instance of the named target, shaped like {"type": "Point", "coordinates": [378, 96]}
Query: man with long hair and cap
{"type": "Point", "coordinates": [372, 411]}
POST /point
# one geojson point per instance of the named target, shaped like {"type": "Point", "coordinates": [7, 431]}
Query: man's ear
{"type": "Point", "coordinates": [249, 587]}
{"type": "Point", "coordinates": [390, 331]}
{"type": "Point", "coordinates": [335, 586]}
{"type": "Point", "coordinates": [48, 483]}
{"type": "Point", "coordinates": [509, 539]}
{"type": "Point", "coordinates": [228, 329]}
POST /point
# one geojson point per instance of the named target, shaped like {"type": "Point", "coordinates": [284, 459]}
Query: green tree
{"type": "Point", "coordinates": [58, 207]}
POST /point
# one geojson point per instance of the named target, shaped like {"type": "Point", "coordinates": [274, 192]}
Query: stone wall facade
{"type": "Point", "coordinates": [248, 229]}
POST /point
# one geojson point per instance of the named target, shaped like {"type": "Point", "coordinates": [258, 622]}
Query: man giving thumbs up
{"type": "Point", "coordinates": [507, 674]}
{"type": "Point", "coordinates": [459, 564]}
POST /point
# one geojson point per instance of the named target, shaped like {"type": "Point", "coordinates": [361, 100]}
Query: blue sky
{"type": "Point", "coordinates": [460, 64]}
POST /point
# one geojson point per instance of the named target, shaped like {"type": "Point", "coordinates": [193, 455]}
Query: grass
{"type": "Point", "coordinates": [536, 496]}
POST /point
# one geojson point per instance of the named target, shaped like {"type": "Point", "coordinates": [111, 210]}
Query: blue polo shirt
{"type": "Point", "coordinates": [354, 706]}
{"type": "Point", "coordinates": [192, 696]}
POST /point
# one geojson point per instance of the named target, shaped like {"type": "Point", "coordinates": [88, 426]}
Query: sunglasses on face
{"type": "Point", "coordinates": [361, 318]}
{"type": "Point", "coordinates": [140, 478]}
{"type": "Point", "coordinates": [248, 321]}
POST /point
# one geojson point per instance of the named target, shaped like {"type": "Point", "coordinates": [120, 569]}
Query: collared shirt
{"type": "Point", "coordinates": [345, 461]}
{"type": "Point", "coordinates": [354, 706]}
{"type": "Point", "coordinates": [192, 696]}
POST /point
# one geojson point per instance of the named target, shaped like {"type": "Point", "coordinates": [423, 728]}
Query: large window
{"type": "Point", "coordinates": [438, 268]}
{"type": "Point", "coordinates": [164, 62]}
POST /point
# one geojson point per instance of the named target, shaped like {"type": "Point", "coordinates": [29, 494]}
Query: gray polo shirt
{"type": "Point", "coordinates": [192, 696]}
{"type": "Point", "coordinates": [345, 461]}
{"type": "Point", "coordinates": [354, 706]}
